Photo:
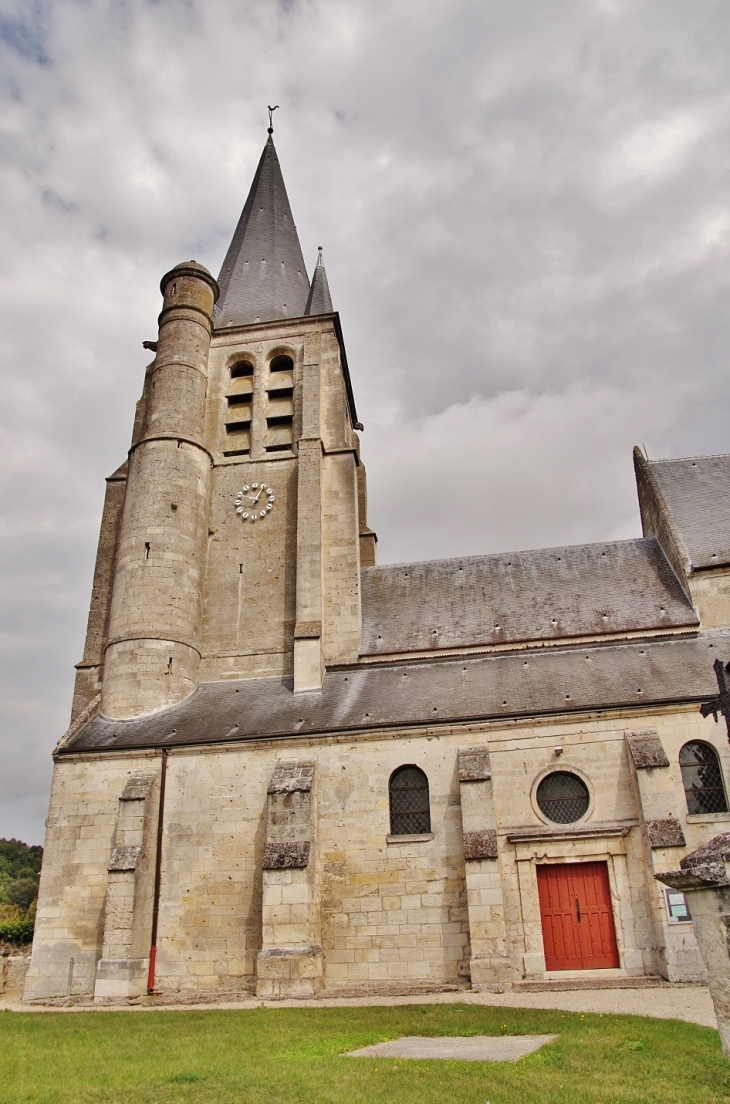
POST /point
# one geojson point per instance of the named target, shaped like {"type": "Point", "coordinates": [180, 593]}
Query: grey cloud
{"type": "Point", "coordinates": [525, 215]}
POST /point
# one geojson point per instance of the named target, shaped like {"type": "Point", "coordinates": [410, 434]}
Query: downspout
{"type": "Point", "coordinates": [158, 876]}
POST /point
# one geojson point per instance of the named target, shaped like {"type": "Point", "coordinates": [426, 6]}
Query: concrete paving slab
{"type": "Point", "coordinates": [470, 1048]}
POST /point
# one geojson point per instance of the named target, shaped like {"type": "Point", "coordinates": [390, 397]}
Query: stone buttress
{"type": "Point", "coordinates": [489, 963]}
{"type": "Point", "coordinates": [122, 970]}
{"type": "Point", "coordinates": [291, 961]}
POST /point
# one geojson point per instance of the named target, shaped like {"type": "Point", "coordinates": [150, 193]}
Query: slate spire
{"type": "Point", "coordinates": [263, 277]}
{"type": "Point", "coordinates": [319, 301]}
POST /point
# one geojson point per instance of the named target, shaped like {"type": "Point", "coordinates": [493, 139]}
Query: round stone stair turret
{"type": "Point", "coordinates": [152, 657]}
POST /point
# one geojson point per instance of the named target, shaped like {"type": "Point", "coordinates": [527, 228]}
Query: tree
{"type": "Point", "coordinates": [22, 892]}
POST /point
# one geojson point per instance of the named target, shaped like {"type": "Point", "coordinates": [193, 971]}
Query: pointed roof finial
{"type": "Point", "coordinates": [320, 300]}
{"type": "Point", "coordinates": [271, 111]}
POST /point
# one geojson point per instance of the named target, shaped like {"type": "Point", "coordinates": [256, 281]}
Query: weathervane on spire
{"type": "Point", "coordinates": [271, 111]}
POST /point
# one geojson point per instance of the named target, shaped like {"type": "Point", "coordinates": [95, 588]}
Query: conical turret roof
{"type": "Point", "coordinates": [263, 277]}
{"type": "Point", "coordinates": [320, 300]}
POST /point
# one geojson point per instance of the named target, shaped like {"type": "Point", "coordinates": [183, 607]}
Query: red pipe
{"type": "Point", "coordinates": [151, 975]}
{"type": "Point", "coordinates": [158, 877]}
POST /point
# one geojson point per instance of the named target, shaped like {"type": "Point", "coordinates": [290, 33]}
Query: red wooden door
{"type": "Point", "coordinates": [577, 920]}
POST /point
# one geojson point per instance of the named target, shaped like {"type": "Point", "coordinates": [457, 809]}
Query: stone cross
{"type": "Point", "coordinates": [720, 704]}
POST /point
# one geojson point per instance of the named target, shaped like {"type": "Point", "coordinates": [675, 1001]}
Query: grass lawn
{"type": "Point", "coordinates": [289, 1055]}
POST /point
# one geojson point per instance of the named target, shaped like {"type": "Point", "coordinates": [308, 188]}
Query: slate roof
{"type": "Point", "coordinates": [697, 494]}
{"type": "Point", "coordinates": [371, 697]}
{"type": "Point", "coordinates": [320, 300]}
{"type": "Point", "coordinates": [263, 277]}
{"type": "Point", "coordinates": [548, 593]}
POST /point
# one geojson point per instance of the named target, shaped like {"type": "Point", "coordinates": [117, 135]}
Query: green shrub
{"type": "Point", "coordinates": [18, 859]}
{"type": "Point", "coordinates": [22, 892]}
{"type": "Point", "coordinates": [18, 932]}
{"type": "Point", "coordinates": [11, 912]}
{"type": "Point", "coordinates": [19, 871]}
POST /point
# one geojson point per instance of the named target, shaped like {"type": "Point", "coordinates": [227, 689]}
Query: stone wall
{"type": "Point", "coordinates": [710, 591]}
{"type": "Point", "coordinates": [14, 963]}
{"type": "Point", "coordinates": [249, 593]}
{"type": "Point", "coordinates": [89, 670]}
{"type": "Point", "coordinates": [80, 836]}
{"type": "Point", "coordinates": [392, 910]}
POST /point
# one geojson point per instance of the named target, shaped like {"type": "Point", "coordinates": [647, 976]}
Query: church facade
{"type": "Point", "coordinates": [291, 771]}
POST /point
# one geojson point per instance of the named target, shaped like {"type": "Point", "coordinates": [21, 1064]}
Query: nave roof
{"type": "Point", "coordinates": [543, 594]}
{"type": "Point", "coordinates": [492, 686]}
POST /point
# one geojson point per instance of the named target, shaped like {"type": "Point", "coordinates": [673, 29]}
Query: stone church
{"type": "Point", "coordinates": [290, 771]}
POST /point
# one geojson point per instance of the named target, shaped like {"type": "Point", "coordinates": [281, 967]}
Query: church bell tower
{"type": "Point", "coordinates": [232, 539]}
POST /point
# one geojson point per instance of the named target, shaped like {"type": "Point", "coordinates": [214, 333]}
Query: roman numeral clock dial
{"type": "Point", "coordinates": [254, 502]}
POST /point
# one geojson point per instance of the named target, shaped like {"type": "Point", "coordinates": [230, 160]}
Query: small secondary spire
{"type": "Point", "coordinates": [320, 300]}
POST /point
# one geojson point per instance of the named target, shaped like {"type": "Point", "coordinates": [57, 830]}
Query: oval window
{"type": "Point", "coordinates": [563, 797]}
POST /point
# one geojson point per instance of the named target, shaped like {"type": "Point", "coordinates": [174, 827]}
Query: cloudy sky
{"type": "Point", "coordinates": [525, 212]}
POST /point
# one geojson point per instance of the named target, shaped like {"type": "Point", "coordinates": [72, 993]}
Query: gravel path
{"type": "Point", "coordinates": [671, 1002]}
{"type": "Point", "coordinates": [691, 1003]}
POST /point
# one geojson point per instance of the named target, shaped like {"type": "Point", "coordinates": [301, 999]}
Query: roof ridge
{"type": "Point", "coordinates": [684, 459]}
{"type": "Point", "coordinates": [515, 552]}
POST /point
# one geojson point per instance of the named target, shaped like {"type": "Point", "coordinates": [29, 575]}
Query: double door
{"type": "Point", "coordinates": [577, 919]}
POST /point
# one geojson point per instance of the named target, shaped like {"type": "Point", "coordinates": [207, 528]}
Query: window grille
{"type": "Point", "coordinates": [410, 812]}
{"type": "Point", "coordinates": [563, 797]}
{"type": "Point", "coordinates": [702, 779]}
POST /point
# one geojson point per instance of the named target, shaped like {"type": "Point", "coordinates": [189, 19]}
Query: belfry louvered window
{"type": "Point", "coordinates": [702, 778]}
{"type": "Point", "coordinates": [239, 400]}
{"type": "Point", "coordinates": [280, 405]}
{"type": "Point", "coordinates": [410, 811]}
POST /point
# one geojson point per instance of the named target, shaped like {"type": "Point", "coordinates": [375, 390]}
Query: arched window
{"type": "Point", "coordinates": [240, 406]}
{"type": "Point", "coordinates": [410, 812]}
{"type": "Point", "coordinates": [563, 797]}
{"type": "Point", "coordinates": [282, 364]}
{"type": "Point", "coordinates": [702, 779]}
{"type": "Point", "coordinates": [280, 408]}
{"type": "Point", "coordinates": [241, 368]}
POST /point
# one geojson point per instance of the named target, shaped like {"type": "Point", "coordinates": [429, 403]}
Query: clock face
{"type": "Point", "coordinates": [254, 501]}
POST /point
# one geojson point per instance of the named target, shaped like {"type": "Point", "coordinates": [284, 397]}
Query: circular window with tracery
{"type": "Point", "coordinates": [563, 797]}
